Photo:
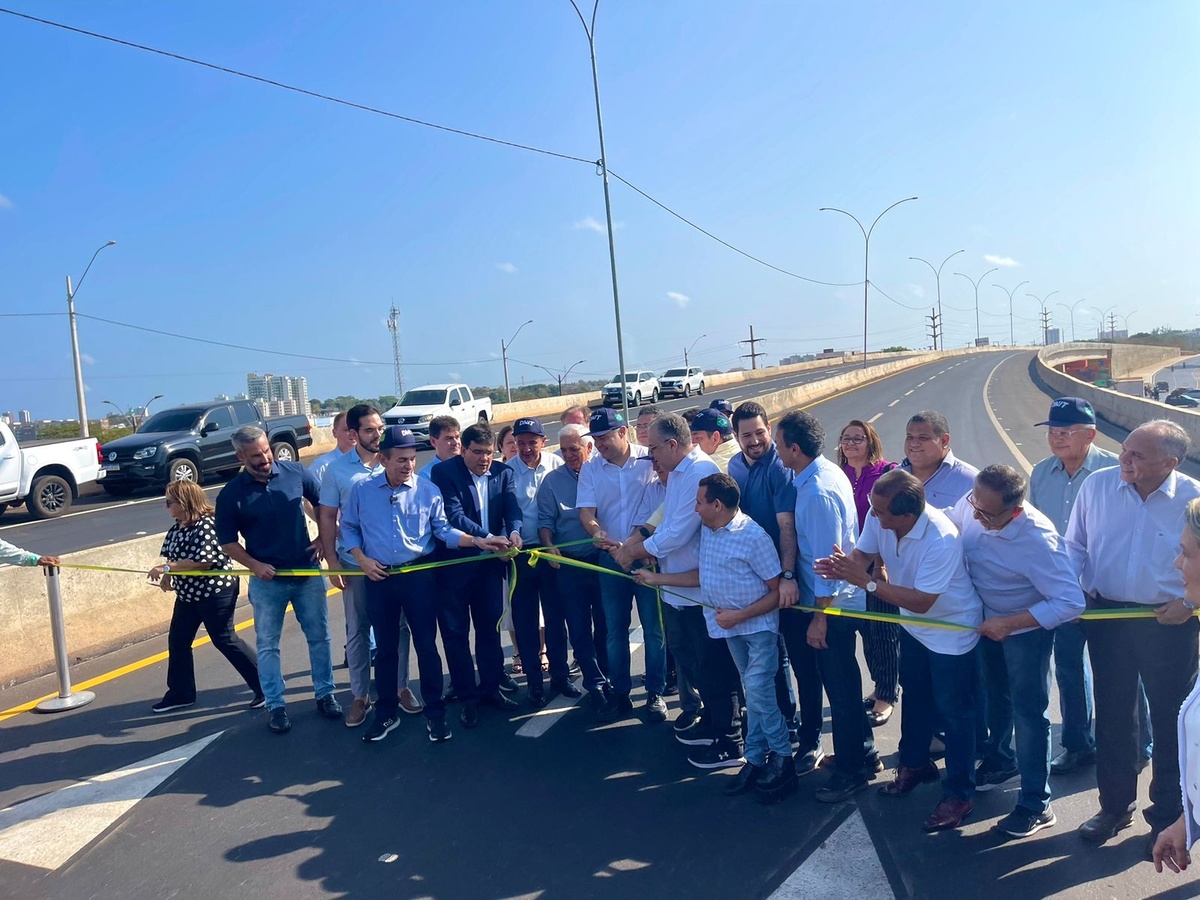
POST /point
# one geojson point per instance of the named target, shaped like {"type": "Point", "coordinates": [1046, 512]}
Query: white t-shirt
{"type": "Point", "coordinates": [930, 559]}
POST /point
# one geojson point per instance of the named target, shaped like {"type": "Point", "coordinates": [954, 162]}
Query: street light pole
{"type": "Point", "coordinates": [687, 350]}
{"type": "Point", "coordinates": [1071, 308]}
{"type": "Point", "coordinates": [1126, 319]}
{"type": "Point", "coordinates": [602, 164]}
{"type": "Point", "coordinates": [937, 274]}
{"type": "Point", "coordinates": [975, 284]}
{"type": "Point", "coordinates": [146, 410]}
{"type": "Point", "coordinates": [504, 357]}
{"type": "Point", "coordinates": [866, 233]}
{"type": "Point", "coordinates": [1012, 334]}
{"type": "Point", "coordinates": [83, 422]}
{"type": "Point", "coordinates": [563, 377]}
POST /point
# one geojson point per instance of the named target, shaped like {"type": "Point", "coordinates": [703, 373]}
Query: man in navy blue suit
{"type": "Point", "coordinates": [481, 500]}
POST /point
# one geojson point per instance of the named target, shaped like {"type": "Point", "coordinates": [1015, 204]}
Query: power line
{"type": "Point", "coordinates": [893, 299]}
{"type": "Point", "coordinates": [362, 107]}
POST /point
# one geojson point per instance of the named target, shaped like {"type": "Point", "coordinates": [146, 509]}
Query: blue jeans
{"type": "Point", "coordinates": [938, 689]}
{"type": "Point", "coordinates": [1073, 672]}
{"type": "Point", "coordinates": [757, 657]}
{"type": "Point", "coordinates": [1018, 686]}
{"type": "Point", "coordinates": [578, 591]}
{"type": "Point", "coordinates": [618, 596]}
{"type": "Point", "coordinates": [269, 600]}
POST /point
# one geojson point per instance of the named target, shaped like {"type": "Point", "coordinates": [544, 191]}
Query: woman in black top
{"type": "Point", "coordinates": [192, 545]}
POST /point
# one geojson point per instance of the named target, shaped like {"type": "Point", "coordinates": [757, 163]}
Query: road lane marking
{"type": "Point", "coordinates": [906, 393]}
{"type": "Point", "coordinates": [874, 418]}
{"type": "Point", "coordinates": [1008, 442]}
{"type": "Point", "coordinates": [893, 403]}
{"type": "Point", "coordinates": [48, 830]}
{"type": "Point", "coordinates": [921, 385]}
{"type": "Point", "coordinates": [845, 865]}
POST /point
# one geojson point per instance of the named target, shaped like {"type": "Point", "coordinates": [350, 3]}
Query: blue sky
{"type": "Point", "coordinates": [1058, 139]}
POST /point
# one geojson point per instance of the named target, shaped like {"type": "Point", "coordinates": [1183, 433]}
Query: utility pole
{"type": "Point", "coordinates": [394, 328]}
{"type": "Point", "coordinates": [752, 354]}
{"type": "Point", "coordinates": [504, 358]}
{"type": "Point", "coordinates": [1045, 326]}
{"type": "Point", "coordinates": [935, 326]}
{"type": "Point", "coordinates": [1112, 326]}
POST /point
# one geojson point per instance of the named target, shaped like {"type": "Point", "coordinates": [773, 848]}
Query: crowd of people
{"type": "Point", "coordinates": [756, 564]}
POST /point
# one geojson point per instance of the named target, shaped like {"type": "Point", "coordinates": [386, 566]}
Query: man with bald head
{"type": "Point", "coordinates": [1123, 536]}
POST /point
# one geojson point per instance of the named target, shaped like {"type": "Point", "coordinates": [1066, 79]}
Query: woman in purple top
{"type": "Point", "coordinates": [860, 454]}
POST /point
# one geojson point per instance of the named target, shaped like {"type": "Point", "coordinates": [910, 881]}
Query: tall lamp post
{"type": "Point", "coordinates": [975, 284]}
{"type": "Point", "coordinates": [1126, 320]}
{"type": "Point", "coordinates": [1071, 308]}
{"type": "Point", "coordinates": [1103, 319]}
{"type": "Point", "coordinates": [688, 350]}
{"type": "Point", "coordinates": [602, 164]}
{"type": "Point", "coordinates": [83, 422]}
{"type": "Point", "coordinates": [146, 409]}
{"type": "Point", "coordinates": [1012, 334]}
{"type": "Point", "coordinates": [866, 232]}
{"type": "Point", "coordinates": [504, 357]}
{"type": "Point", "coordinates": [1042, 302]}
{"type": "Point", "coordinates": [937, 276]}
{"type": "Point", "coordinates": [563, 377]}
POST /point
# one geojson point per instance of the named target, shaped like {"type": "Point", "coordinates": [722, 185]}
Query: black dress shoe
{"type": "Point", "coordinates": [537, 699]}
{"type": "Point", "coordinates": [1070, 760]}
{"type": "Point", "coordinates": [469, 715]}
{"type": "Point", "coordinates": [565, 687]}
{"type": "Point", "coordinates": [743, 782]}
{"type": "Point", "coordinates": [778, 779]}
{"type": "Point", "coordinates": [617, 707]}
{"type": "Point", "coordinates": [507, 683]}
{"type": "Point", "coordinates": [1104, 826]}
{"type": "Point", "coordinates": [500, 701]}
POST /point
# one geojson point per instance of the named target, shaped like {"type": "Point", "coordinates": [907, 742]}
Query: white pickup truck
{"type": "Point", "coordinates": [45, 475]}
{"type": "Point", "coordinates": [422, 404]}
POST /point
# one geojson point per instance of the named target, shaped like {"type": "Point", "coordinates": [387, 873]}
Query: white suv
{"type": "Point", "coordinates": [641, 386]}
{"type": "Point", "coordinates": [681, 382]}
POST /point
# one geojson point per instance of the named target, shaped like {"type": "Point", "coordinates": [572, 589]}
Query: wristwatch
{"type": "Point", "coordinates": [788, 575]}
{"type": "Point", "coordinates": [167, 571]}
{"type": "Point", "coordinates": [644, 532]}
{"type": "Point", "coordinates": [872, 587]}
{"type": "Point", "coordinates": [1191, 606]}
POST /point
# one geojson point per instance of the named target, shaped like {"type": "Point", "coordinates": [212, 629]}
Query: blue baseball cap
{"type": "Point", "coordinates": [604, 420]}
{"type": "Point", "coordinates": [710, 420]}
{"type": "Point", "coordinates": [528, 426]}
{"type": "Point", "coordinates": [1070, 411]}
{"type": "Point", "coordinates": [396, 436]}
{"type": "Point", "coordinates": [723, 405]}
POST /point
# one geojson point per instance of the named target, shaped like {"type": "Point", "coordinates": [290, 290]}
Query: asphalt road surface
{"type": "Point", "coordinates": [97, 519]}
{"type": "Point", "coordinates": [577, 811]}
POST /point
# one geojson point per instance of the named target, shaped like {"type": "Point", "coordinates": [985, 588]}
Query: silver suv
{"type": "Point", "coordinates": [681, 382]}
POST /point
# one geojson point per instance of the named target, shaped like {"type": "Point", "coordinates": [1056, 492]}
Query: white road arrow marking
{"type": "Point", "coordinates": [846, 865]}
{"type": "Point", "coordinates": [48, 830]}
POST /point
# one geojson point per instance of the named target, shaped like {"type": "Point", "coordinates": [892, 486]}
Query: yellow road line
{"type": "Point", "coordinates": [127, 670]}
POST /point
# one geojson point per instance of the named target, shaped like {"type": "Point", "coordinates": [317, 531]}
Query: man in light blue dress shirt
{"type": "Point", "coordinates": [1022, 573]}
{"type": "Point", "coordinates": [928, 456]}
{"type": "Point", "coordinates": [390, 520]}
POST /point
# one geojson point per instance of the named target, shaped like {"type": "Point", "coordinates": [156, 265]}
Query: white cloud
{"type": "Point", "coordinates": [682, 300]}
{"type": "Point", "coordinates": [917, 291]}
{"type": "Point", "coordinates": [590, 223]}
{"type": "Point", "coordinates": [5, 203]}
{"type": "Point", "coordinates": [87, 358]}
{"type": "Point", "coordinates": [507, 268]}
{"type": "Point", "coordinates": [1006, 261]}
{"type": "Point", "coordinates": [457, 376]}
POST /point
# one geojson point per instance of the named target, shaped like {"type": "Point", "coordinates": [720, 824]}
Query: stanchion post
{"type": "Point", "coordinates": [66, 699]}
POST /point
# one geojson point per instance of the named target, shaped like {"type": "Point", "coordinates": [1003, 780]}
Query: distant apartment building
{"type": "Point", "coordinates": [279, 395]}
{"type": "Point", "coordinates": [26, 417]}
{"type": "Point", "coordinates": [1053, 336]}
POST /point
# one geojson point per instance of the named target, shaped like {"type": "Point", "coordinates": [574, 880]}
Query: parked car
{"type": "Point", "coordinates": [188, 443]}
{"type": "Point", "coordinates": [45, 475]}
{"type": "Point", "coordinates": [422, 404]}
{"type": "Point", "coordinates": [681, 382]}
{"type": "Point", "coordinates": [639, 386]}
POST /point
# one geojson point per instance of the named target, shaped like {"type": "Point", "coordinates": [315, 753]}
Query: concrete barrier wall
{"type": "Point", "coordinates": [1120, 409]}
{"type": "Point", "coordinates": [1125, 358]}
{"type": "Point", "coordinates": [105, 610]}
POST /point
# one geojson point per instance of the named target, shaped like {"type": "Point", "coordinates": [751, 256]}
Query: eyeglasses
{"type": "Point", "coordinates": [852, 439]}
{"type": "Point", "coordinates": [650, 449]}
{"type": "Point", "coordinates": [988, 517]}
{"type": "Point", "coordinates": [487, 452]}
{"type": "Point", "coordinates": [1057, 433]}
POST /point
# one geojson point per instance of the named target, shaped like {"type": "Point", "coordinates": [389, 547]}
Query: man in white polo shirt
{"type": "Point", "coordinates": [927, 579]}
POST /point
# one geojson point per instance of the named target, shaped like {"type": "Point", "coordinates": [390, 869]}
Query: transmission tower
{"type": "Point", "coordinates": [394, 328]}
{"type": "Point", "coordinates": [752, 355]}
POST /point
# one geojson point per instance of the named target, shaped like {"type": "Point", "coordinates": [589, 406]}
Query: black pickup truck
{"type": "Point", "coordinates": [187, 443]}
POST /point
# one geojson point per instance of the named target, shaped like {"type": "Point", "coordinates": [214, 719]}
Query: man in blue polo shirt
{"type": "Point", "coordinates": [265, 505]}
